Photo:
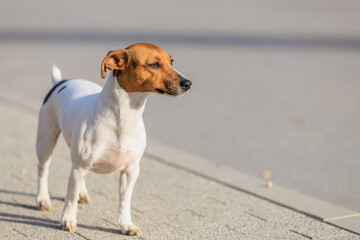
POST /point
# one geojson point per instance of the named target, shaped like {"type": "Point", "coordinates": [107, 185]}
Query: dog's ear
{"type": "Point", "coordinates": [117, 59]}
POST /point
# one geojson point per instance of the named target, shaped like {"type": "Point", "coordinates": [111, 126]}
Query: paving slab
{"type": "Point", "coordinates": [168, 203]}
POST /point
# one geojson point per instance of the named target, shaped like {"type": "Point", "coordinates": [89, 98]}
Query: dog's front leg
{"type": "Point", "coordinates": [127, 181]}
{"type": "Point", "coordinates": [68, 218]}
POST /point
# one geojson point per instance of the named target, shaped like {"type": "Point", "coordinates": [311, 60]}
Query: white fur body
{"type": "Point", "coordinates": [105, 132]}
{"type": "Point", "coordinates": [103, 127]}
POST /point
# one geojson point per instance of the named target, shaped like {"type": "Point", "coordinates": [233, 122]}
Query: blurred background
{"type": "Point", "coordinates": [275, 83]}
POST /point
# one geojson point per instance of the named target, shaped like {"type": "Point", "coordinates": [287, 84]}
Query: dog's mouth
{"type": "Point", "coordinates": [173, 93]}
{"type": "Point", "coordinates": [159, 90]}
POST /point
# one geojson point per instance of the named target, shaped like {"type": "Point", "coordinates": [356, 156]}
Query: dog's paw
{"type": "Point", "coordinates": [130, 230]}
{"type": "Point", "coordinates": [43, 204]}
{"type": "Point", "coordinates": [68, 223]}
{"type": "Point", "coordinates": [84, 198]}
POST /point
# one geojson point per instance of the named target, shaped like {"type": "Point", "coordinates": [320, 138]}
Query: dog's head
{"type": "Point", "coordinates": [145, 67]}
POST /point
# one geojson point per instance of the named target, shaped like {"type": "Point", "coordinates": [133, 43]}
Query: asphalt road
{"type": "Point", "coordinates": [275, 83]}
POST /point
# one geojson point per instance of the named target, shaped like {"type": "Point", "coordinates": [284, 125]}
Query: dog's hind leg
{"type": "Point", "coordinates": [84, 195]}
{"type": "Point", "coordinates": [48, 133]}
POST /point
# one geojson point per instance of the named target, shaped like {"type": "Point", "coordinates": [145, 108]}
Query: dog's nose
{"type": "Point", "coordinates": [185, 84]}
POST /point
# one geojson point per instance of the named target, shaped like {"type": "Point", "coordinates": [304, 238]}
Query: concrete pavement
{"type": "Point", "coordinates": [169, 201]}
{"type": "Point", "coordinates": [275, 88]}
{"type": "Point", "coordinates": [275, 84]}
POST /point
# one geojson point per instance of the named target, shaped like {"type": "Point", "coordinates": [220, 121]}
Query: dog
{"type": "Point", "coordinates": [103, 126]}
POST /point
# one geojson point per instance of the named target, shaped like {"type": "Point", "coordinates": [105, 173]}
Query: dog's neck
{"type": "Point", "coordinates": [123, 107]}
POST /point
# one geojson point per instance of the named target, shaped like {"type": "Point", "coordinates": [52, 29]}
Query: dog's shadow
{"type": "Point", "coordinates": [21, 205]}
{"type": "Point", "coordinates": [28, 194]}
{"type": "Point", "coordinates": [48, 223]}
{"type": "Point", "coordinates": [38, 221]}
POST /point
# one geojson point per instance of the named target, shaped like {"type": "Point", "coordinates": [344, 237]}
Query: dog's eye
{"type": "Point", "coordinates": [172, 60]}
{"type": "Point", "coordinates": [155, 65]}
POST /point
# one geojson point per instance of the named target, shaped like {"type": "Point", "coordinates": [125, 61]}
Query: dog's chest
{"type": "Point", "coordinates": [117, 156]}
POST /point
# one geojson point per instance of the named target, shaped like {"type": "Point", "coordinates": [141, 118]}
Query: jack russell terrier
{"type": "Point", "coordinates": [103, 126]}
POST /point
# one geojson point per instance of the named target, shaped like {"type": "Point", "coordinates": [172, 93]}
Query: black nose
{"type": "Point", "coordinates": [185, 84]}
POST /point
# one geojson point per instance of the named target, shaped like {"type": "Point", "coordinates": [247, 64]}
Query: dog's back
{"type": "Point", "coordinates": [61, 106]}
{"type": "Point", "coordinates": [72, 89]}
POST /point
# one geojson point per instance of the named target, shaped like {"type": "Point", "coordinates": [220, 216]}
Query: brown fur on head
{"type": "Point", "coordinates": [144, 67]}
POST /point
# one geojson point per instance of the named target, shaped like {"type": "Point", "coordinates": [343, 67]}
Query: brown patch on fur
{"type": "Point", "coordinates": [114, 60]}
{"type": "Point", "coordinates": [134, 73]}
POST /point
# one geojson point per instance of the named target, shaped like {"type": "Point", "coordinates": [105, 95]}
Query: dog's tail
{"type": "Point", "coordinates": [55, 75]}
